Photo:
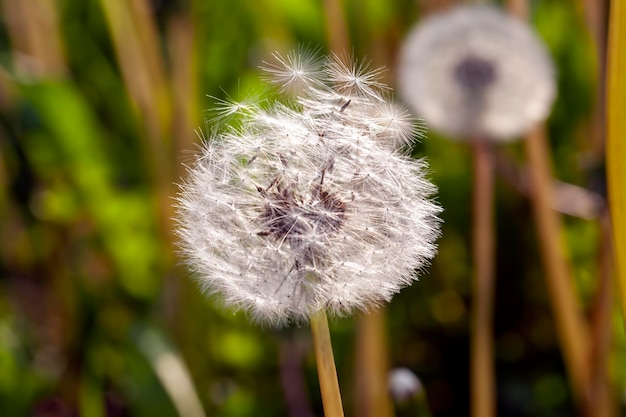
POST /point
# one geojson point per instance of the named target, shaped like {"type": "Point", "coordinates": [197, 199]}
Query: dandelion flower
{"type": "Point", "coordinates": [476, 72]}
{"type": "Point", "coordinates": [309, 204]}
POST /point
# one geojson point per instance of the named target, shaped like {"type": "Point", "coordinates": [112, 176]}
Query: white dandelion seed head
{"type": "Point", "coordinates": [404, 384]}
{"type": "Point", "coordinates": [474, 71]}
{"type": "Point", "coordinates": [309, 205]}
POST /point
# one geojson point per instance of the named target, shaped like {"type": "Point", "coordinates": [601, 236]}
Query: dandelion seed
{"type": "Point", "coordinates": [396, 124]}
{"type": "Point", "coordinates": [356, 79]}
{"type": "Point", "coordinates": [296, 71]}
{"type": "Point", "coordinates": [309, 205]}
{"type": "Point", "coordinates": [226, 107]}
{"type": "Point", "coordinates": [476, 72]}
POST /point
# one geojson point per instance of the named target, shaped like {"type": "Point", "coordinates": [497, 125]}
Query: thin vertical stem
{"type": "Point", "coordinates": [34, 31]}
{"type": "Point", "coordinates": [336, 29]}
{"type": "Point", "coordinates": [571, 327]}
{"type": "Point", "coordinates": [616, 145]}
{"type": "Point", "coordinates": [595, 13]}
{"type": "Point", "coordinates": [292, 377]}
{"type": "Point", "coordinates": [372, 355]}
{"type": "Point", "coordinates": [482, 374]}
{"type": "Point", "coordinates": [601, 402]}
{"type": "Point", "coordinates": [518, 8]}
{"type": "Point", "coordinates": [182, 49]}
{"type": "Point", "coordinates": [329, 385]}
{"type": "Point", "coordinates": [372, 368]}
{"type": "Point", "coordinates": [571, 330]}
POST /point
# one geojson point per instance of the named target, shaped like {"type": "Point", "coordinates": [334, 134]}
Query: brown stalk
{"type": "Point", "coordinates": [327, 374]}
{"type": "Point", "coordinates": [482, 374]}
{"type": "Point", "coordinates": [572, 333]}
{"type": "Point", "coordinates": [571, 326]}
{"type": "Point", "coordinates": [595, 12]}
{"type": "Point", "coordinates": [372, 397]}
{"type": "Point", "coordinates": [34, 30]}
{"type": "Point", "coordinates": [184, 81]}
{"type": "Point", "coordinates": [601, 400]}
{"type": "Point", "coordinates": [336, 30]}
{"type": "Point", "coordinates": [433, 6]}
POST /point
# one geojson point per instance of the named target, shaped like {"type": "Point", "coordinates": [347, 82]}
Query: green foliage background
{"type": "Point", "coordinates": [94, 133]}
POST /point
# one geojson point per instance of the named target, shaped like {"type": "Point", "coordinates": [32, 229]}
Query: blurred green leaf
{"type": "Point", "coordinates": [75, 143]}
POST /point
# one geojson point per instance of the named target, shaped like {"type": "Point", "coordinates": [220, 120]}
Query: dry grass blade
{"type": "Point", "coordinates": [616, 141]}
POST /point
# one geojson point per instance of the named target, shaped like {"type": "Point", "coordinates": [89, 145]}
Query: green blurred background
{"type": "Point", "coordinates": [99, 106]}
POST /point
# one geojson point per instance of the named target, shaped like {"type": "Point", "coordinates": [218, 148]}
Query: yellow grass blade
{"type": "Point", "coordinates": [616, 138]}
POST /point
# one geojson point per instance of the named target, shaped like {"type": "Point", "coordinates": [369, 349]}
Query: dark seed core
{"type": "Point", "coordinates": [295, 218]}
{"type": "Point", "coordinates": [474, 73]}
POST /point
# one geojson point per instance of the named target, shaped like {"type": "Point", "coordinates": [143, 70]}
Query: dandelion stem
{"type": "Point", "coordinates": [569, 323]}
{"type": "Point", "coordinates": [329, 385]}
{"type": "Point", "coordinates": [372, 368]}
{"type": "Point", "coordinates": [601, 401]}
{"type": "Point", "coordinates": [482, 367]}
{"type": "Point", "coordinates": [336, 29]}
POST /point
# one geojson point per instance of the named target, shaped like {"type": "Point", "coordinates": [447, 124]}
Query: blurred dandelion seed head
{"type": "Point", "coordinates": [310, 203]}
{"type": "Point", "coordinates": [476, 72]}
{"type": "Point", "coordinates": [404, 384]}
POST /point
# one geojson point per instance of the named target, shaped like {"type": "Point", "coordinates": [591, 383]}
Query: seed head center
{"type": "Point", "coordinates": [291, 215]}
{"type": "Point", "coordinates": [475, 73]}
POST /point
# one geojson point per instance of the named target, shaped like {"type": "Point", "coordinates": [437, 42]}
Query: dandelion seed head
{"type": "Point", "coordinates": [474, 71]}
{"type": "Point", "coordinates": [404, 384]}
{"type": "Point", "coordinates": [475, 74]}
{"type": "Point", "coordinates": [310, 204]}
